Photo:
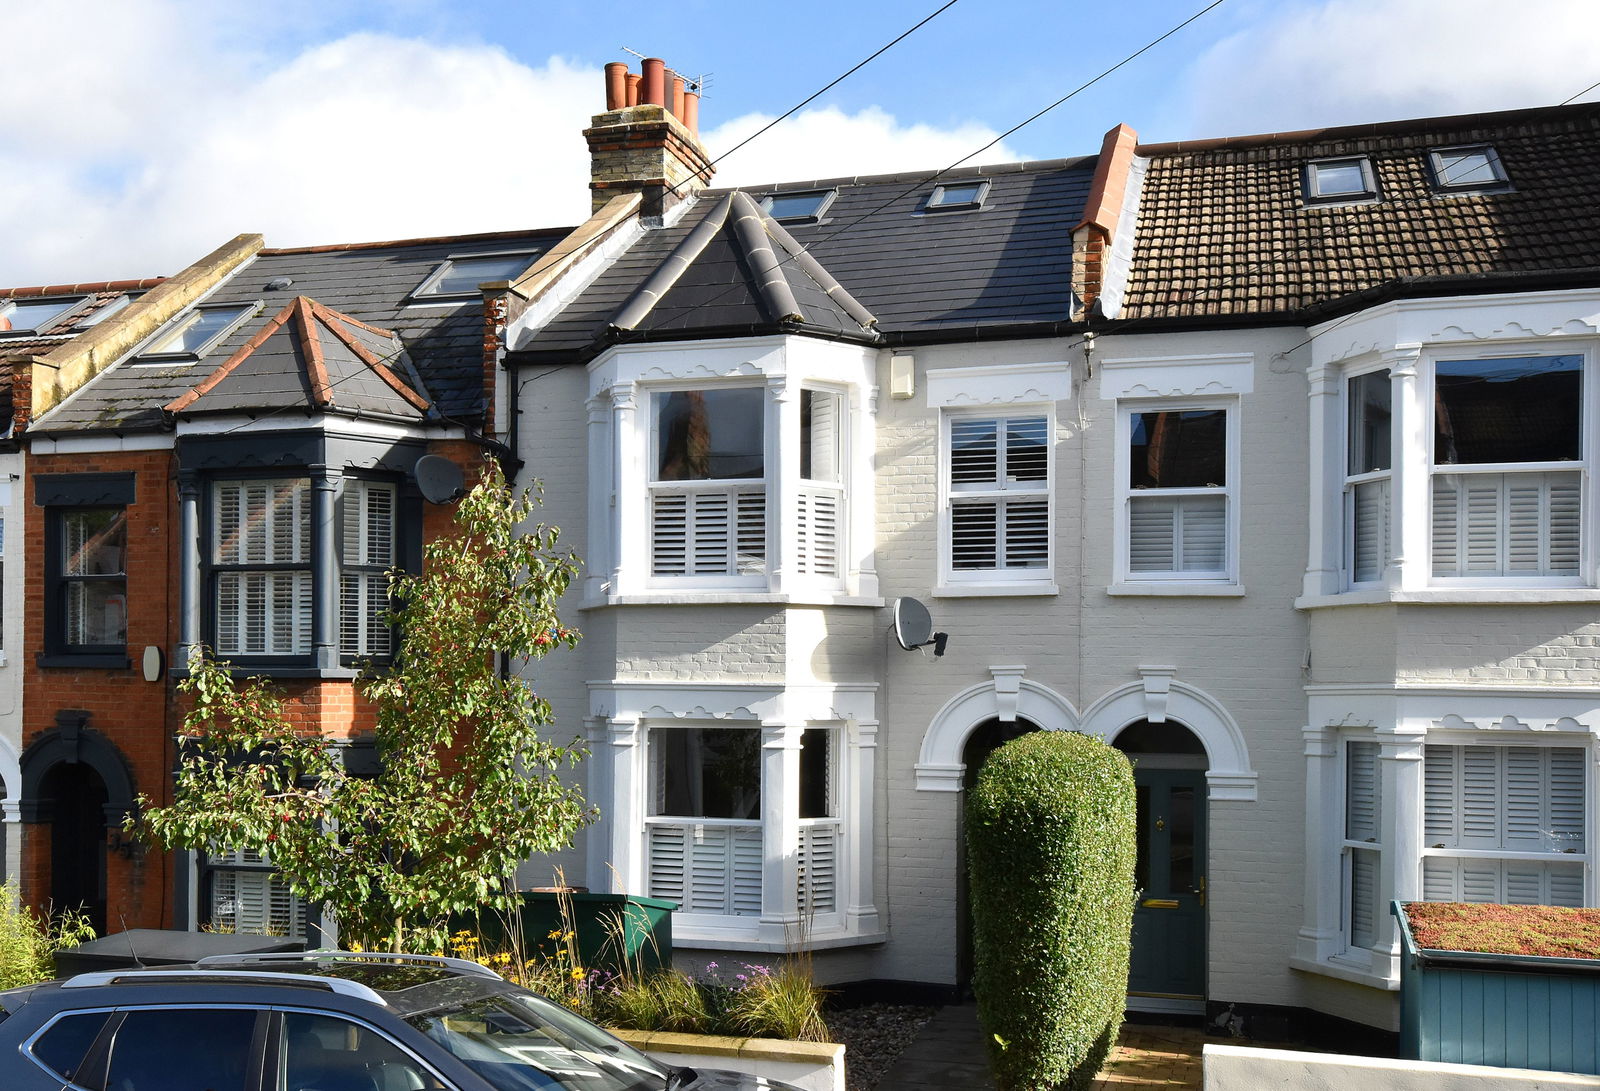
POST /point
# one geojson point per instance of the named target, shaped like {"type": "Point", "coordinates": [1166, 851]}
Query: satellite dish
{"type": "Point", "coordinates": [440, 480]}
{"type": "Point", "coordinates": [913, 628]}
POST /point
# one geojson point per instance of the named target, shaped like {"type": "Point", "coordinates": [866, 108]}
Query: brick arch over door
{"type": "Point", "coordinates": [70, 742]}
{"type": "Point", "coordinates": [1006, 697]}
{"type": "Point", "coordinates": [1158, 697]}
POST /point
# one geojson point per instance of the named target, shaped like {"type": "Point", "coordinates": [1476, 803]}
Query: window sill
{"type": "Point", "coordinates": [265, 670]}
{"type": "Point", "coordinates": [997, 589]}
{"type": "Point", "coordinates": [1332, 967]}
{"type": "Point", "coordinates": [83, 661]}
{"type": "Point", "coordinates": [696, 939]}
{"type": "Point", "coordinates": [704, 597]}
{"type": "Point", "coordinates": [1177, 589]}
{"type": "Point", "coordinates": [1453, 596]}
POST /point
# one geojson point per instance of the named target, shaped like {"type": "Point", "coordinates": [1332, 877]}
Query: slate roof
{"type": "Point", "coordinates": [922, 275]}
{"type": "Point", "coordinates": [369, 282]}
{"type": "Point", "coordinates": [312, 358]}
{"type": "Point", "coordinates": [1224, 231]}
{"type": "Point", "coordinates": [98, 295]}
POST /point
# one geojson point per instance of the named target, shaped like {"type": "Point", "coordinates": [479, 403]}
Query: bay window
{"type": "Point", "coordinates": [245, 894]}
{"type": "Point", "coordinates": [997, 496]}
{"type": "Point", "coordinates": [1361, 854]}
{"type": "Point", "coordinates": [1508, 468]}
{"type": "Point", "coordinates": [261, 554]}
{"type": "Point", "coordinates": [366, 553]}
{"type": "Point", "coordinates": [1176, 469]}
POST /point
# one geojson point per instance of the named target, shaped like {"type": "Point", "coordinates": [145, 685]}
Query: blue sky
{"type": "Point", "coordinates": [153, 130]}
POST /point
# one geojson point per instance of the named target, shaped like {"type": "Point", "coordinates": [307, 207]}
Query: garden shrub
{"type": "Point", "coordinates": [28, 943]}
{"type": "Point", "coordinates": [1050, 850]}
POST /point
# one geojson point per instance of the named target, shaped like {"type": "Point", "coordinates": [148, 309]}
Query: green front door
{"type": "Point", "coordinates": [1169, 920]}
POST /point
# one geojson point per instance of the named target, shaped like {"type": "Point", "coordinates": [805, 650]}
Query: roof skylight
{"type": "Point", "coordinates": [1472, 168]}
{"type": "Point", "coordinates": [34, 315]}
{"type": "Point", "coordinates": [952, 196]}
{"type": "Point", "coordinates": [1346, 179]}
{"type": "Point", "coordinates": [196, 332]}
{"type": "Point", "coordinates": [806, 206]}
{"type": "Point", "coordinates": [460, 277]}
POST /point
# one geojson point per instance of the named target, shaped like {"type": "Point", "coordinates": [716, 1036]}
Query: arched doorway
{"type": "Point", "coordinates": [76, 798]}
{"type": "Point", "coordinates": [984, 740]}
{"type": "Point", "coordinates": [1168, 968]}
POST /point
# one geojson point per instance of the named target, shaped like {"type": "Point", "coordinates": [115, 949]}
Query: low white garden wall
{"type": "Point", "coordinates": [1240, 1068]}
{"type": "Point", "coordinates": [815, 1066]}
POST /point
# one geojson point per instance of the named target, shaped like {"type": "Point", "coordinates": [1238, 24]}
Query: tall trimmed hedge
{"type": "Point", "coordinates": [1050, 851]}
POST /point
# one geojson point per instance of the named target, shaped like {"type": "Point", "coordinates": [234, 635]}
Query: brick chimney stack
{"type": "Point", "coordinates": [648, 140]}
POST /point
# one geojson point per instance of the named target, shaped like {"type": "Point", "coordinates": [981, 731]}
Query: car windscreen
{"type": "Point", "coordinates": [521, 1042]}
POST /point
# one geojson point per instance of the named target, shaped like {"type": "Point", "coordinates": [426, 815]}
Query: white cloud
{"type": "Point", "coordinates": [1352, 61]}
{"type": "Point", "coordinates": [164, 132]}
{"type": "Point", "coordinates": [829, 143]}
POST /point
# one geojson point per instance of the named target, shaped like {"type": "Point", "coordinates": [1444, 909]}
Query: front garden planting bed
{"type": "Point", "coordinates": [1512, 986]}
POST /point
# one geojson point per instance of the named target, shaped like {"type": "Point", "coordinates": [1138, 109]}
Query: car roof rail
{"type": "Point", "coordinates": [243, 977]}
{"type": "Point", "coordinates": [259, 958]}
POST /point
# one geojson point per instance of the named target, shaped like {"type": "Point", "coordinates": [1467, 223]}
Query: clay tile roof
{"type": "Point", "coordinates": [1224, 229]}
{"type": "Point", "coordinates": [310, 357]}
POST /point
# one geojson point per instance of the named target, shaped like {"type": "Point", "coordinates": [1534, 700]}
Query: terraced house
{"type": "Point", "coordinates": [1266, 459]}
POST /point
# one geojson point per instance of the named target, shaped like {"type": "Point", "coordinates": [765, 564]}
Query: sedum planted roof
{"type": "Point", "coordinates": [370, 283]}
{"type": "Point", "coordinates": [1225, 231]}
{"type": "Point", "coordinates": [918, 275]}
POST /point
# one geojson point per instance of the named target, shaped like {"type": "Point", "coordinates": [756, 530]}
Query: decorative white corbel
{"type": "Point", "coordinates": [1007, 691]}
{"type": "Point", "coordinates": [1157, 689]}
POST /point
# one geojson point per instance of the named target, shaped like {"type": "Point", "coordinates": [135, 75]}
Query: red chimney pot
{"type": "Point", "coordinates": [691, 111]}
{"type": "Point", "coordinates": [616, 85]}
{"type": "Point", "coordinates": [655, 87]}
{"type": "Point", "coordinates": [633, 80]}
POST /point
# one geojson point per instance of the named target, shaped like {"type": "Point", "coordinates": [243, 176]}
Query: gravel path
{"type": "Point", "coordinates": [873, 1037]}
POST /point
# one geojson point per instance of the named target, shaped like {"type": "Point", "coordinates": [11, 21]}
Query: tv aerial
{"type": "Point", "coordinates": [913, 627]}
{"type": "Point", "coordinates": [439, 480]}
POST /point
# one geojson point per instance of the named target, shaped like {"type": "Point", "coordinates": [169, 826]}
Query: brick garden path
{"type": "Point", "coordinates": [949, 1055]}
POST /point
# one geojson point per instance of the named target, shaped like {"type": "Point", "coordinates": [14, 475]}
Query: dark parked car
{"type": "Point", "coordinates": [319, 1021]}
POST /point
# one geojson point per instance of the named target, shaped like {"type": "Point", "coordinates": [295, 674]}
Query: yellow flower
{"type": "Point", "coordinates": [577, 974]}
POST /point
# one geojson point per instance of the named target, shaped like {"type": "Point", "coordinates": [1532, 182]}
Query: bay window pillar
{"type": "Point", "coordinates": [782, 456]}
{"type": "Point", "coordinates": [629, 500]}
{"type": "Point", "coordinates": [601, 544]}
{"type": "Point", "coordinates": [861, 912]}
{"type": "Point", "coordinates": [1320, 931]}
{"type": "Point", "coordinates": [1409, 556]}
{"type": "Point", "coordinates": [1400, 876]}
{"type": "Point", "coordinates": [860, 495]}
{"type": "Point", "coordinates": [780, 832]}
{"type": "Point", "coordinates": [626, 832]}
{"type": "Point", "coordinates": [1327, 477]}
{"type": "Point", "coordinates": [597, 789]}
{"type": "Point", "coordinates": [325, 572]}
{"type": "Point", "coordinates": [189, 554]}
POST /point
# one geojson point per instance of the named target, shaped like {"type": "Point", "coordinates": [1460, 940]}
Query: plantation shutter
{"type": "Point", "coordinates": [263, 523]}
{"type": "Point", "coordinates": [999, 480]}
{"type": "Point", "coordinates": [1369, 530]}
{"type": "Point", "coordinates": [708, 532]}
{"type": "Point", "coordinates": [1362, 792]}
{"type": "Point", "coordinates": [818, 518]}
{"type": "Point", "coordinates": [1363, 897]}
{"type": "Point", "coordinates": [707, 868]}
{"type": "Point", "coordinates": [1177, 534]}
{"type": "Point", "coordinates": [367, 543]}
{"type": "Point", "coordinates": [248, 897]}
{"type": "Point", "coordinates": [1487, 524]}
{"type": "Point", "coordinates": [818, 871]}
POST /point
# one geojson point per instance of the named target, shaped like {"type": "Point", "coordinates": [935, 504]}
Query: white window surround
{"type": "Point", "coordinates": [1408, 338]}
{"type": "Point", "coordinates": [623, 382]}
{"type": "Point", "coordinates": [1403, 721]}
{"type": "Point", "coordinates": [621, 717]}
{"type": "Point", "coordinates": [1007, 392]}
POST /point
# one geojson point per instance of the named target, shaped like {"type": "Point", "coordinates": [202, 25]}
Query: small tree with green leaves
{"type": "Point", "coordinates": [468, 786]}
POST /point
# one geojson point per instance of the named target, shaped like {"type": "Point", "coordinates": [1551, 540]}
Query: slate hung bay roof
{"type": "Point", "coordinates": [1225, 232]}
{"type": "Point", "coordinates": [919, 274]}
{"type": "Point", "coordinates": [371, 284]}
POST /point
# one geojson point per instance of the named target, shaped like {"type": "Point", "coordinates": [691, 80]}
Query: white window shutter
{"type": "Point", "coordinates": [974, 534]}
{"type": "Point", "coordinates": [1565, 795]}
{"type": "Point", "coordinates": [669, 534]}
{"type": "Point", "coordinates": [1362, 792]}
{"type": "Point", "coordinates": [1363, 897]}
{"type": "Point", "coordinates": [751, 546]}
{"type": "Point", "coordinates": [719, 531]}
{"type": "Point", "coordinates": [706, 868]}
{"type": "Point", "coordinates": [368, 509]}
{"type": "Point", "coordinates": [1480, 797]}
{"type": "Point", "coordinates": [818, 867]}
{"type": "Point", "coordinates": [1369, 530]}
{"type": "Point", "coordinates": [974, 452]}
{"type": "Point", "coordinates": [818, 518]}
{"type": "Point", "coordinates": [667, 860]}
{"type": "Point", "coordinates": [1487, 524]}
{"type": "Point", "coordinates": [1439, 824]}
{"type": "Point", "coordinates": [747, 860]}
{"type": "Point", "coordinates": [1027, 534]}
{"type": "Point", "coordinates": [1177, 534]}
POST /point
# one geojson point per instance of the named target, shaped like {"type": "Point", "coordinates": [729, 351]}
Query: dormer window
{"type": "Point", "coordinates": [803, 207]}
{"type": "Point", "coordinates": [957, 196]}
{"type": "Point", "coordinates": [198, 331]}
{"type": "Point", "coordinates": [1469, 169]}
{"type": "Point", "coordinates": [34, 315]}
{"type": "Point", "coordinates": [1340, 180]}
{"type": "Point", "coordinates": [459, 278]}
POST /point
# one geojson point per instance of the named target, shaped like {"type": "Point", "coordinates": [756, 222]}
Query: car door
{"type": "Point", "coordinates": [326, 1051]}
{"type": "Point", "coordinates": [184, 1048]}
